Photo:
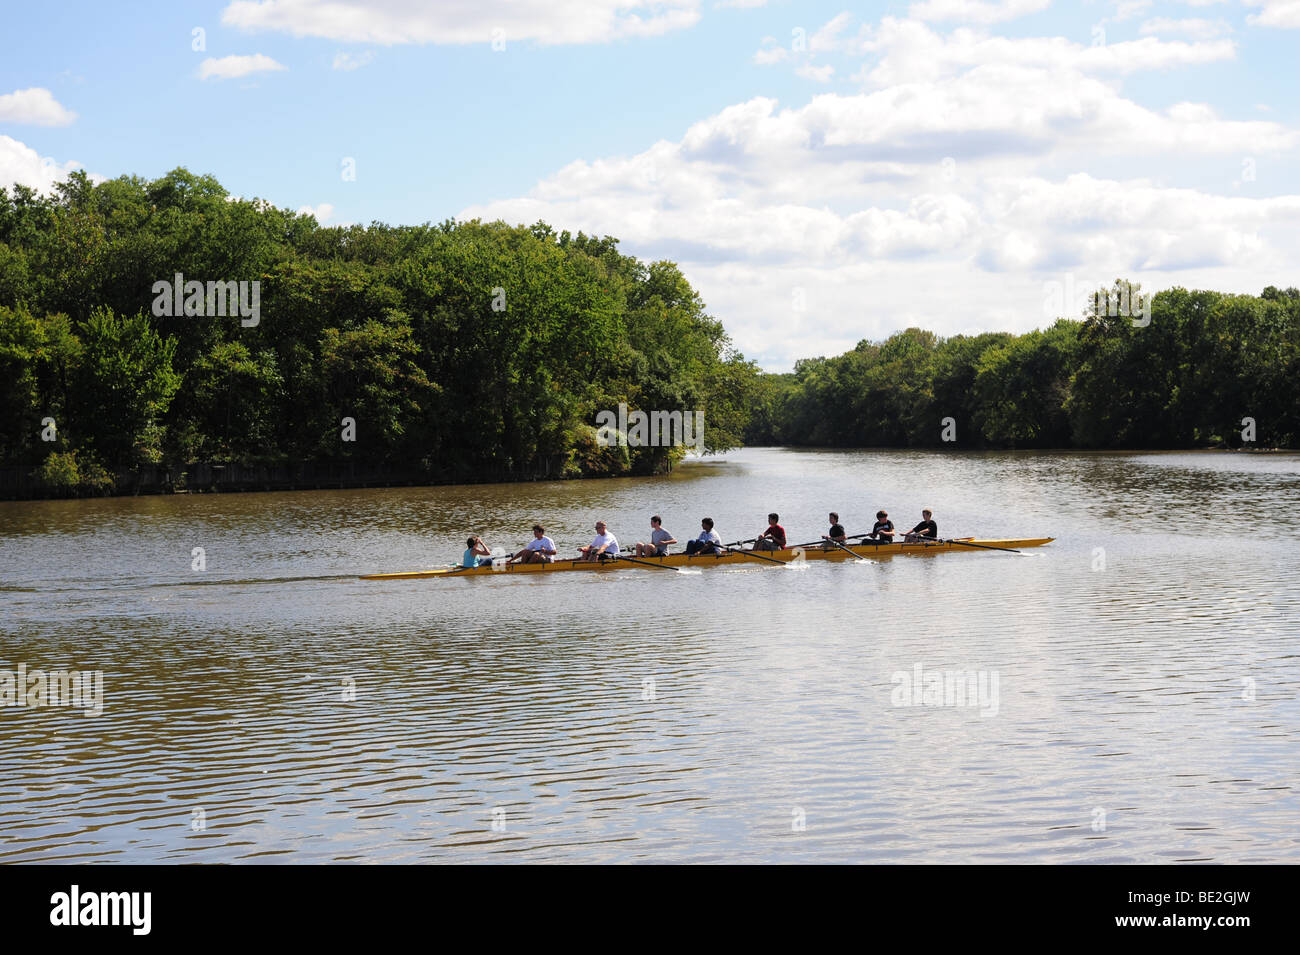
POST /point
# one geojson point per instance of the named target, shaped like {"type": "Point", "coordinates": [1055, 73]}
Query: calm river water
{"type": "Point", "coordinates": [274, 707]}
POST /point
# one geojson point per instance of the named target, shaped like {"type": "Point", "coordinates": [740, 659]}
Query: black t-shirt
{"type": "Point", "coordinates": [926, 529]}
{"type": "Point", "coordinates": [837, 531]}
{"type": "Point", "coordinates": [886, 527]}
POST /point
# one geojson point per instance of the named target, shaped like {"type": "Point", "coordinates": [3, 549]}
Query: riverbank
{"type": "Point", "coordinates": [19, 483]}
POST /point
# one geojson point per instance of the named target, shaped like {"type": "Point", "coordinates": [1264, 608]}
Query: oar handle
{"type": "Point", "coordinates": [750, 553]}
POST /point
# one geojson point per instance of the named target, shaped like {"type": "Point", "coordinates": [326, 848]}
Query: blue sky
{"type": "Point", "coordinates": [823, 172]}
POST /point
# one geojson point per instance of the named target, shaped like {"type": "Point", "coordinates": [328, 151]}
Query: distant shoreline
{"type": "Point", "coordinates": [17, 482]}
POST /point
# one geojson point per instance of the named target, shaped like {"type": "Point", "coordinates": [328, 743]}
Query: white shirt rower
{"type": "Point", "coordinates": [539, 550]}
{"type": "Point", "coordinates": [604, 543]}
{"type": "Point", "coordinates": [543, 544]}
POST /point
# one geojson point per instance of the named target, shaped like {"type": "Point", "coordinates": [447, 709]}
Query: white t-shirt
{"type": "Point", "coordinates": [604, 539]}
{"type": "Point", "coordinates": [540, 543]}
{"type": "Point", "coordinates": [709, 536]}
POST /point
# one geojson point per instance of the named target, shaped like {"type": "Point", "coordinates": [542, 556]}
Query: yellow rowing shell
{"type": "Point", "coordinates": [967, 545]}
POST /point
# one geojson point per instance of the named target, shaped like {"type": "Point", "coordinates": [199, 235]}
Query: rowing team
{"type": "Point", "coordinates": [541, 549]}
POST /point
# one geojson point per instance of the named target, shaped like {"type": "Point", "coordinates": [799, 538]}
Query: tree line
{"type": "Point", "coordinates": [472, 350]}
{"type": "Point", "coordinates": [455, 351]}
{"type": "Point", "coordinates": [1201, 369]}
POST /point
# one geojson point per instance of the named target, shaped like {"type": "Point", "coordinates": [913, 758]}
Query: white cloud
{"type": "Point", "coordinates": [969, 169]}
{"type": "Point", "coordinates": [770, 52]}
{"type": "Point", "coordinates": [19, 163]}
{"type": "Point", "coordinates": [1130, 225]}
{"type": "Point", "coordinates": [1197, 29]}
{"type": "Point", "coordinates": [740, 4]}
{"type": "Point", "coordinates": [322, 212]}
{"type": "Point", "coordinates": [1129, 9]}
{"type": "Point", "coordinates": [352, 61]}
{"type": "Point", "coordinates": [232, 67]}
{"type": "Point", "coordinates": [827, 38]}
{"type": "Point", "coordinates": [908, 51]}
{"type": "Point", "coordinates": [818, 74]}
{"type": "Point", "coordinates": [36, 106]}
{"type": "Point", "coordinates": [975, 11]}
{"type": "Point", "coordinates": [1275, 13]}
{"type": "Point", "coordinates": [831, 38]}
{"type": "Point", "coordinates": [463, 21]}
{"type": "Point", "coordinates": [848, 193]}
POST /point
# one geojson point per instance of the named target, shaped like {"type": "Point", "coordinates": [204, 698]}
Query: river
{"type": "Point", "coordinates": [1139, 677]}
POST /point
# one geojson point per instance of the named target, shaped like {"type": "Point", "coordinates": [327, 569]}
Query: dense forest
{"type": "Point", "coordinates": [1185, 375]}
{"type": "Point", "coordinates": [457, 351]}
{"type": "Point", "coordinates": [475, 350]}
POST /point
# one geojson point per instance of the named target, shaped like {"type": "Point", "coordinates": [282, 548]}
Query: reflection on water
{"type": "Point", "coordinates": [274, 706]}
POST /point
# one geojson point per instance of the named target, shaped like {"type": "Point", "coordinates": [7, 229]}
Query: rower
{"type": "Point", "coordinates": [883, 529]}
{"type": "Point", "coordinates": [926, 530]}
{"type": "Point", "coordinates": [659, 540]}
{"type": "Point", "coordinates": [773, 538]}
{"type": "Point", "coordinates": [708, 542]}
{"type": "Point", "coordinates": [539, 550]}
{"type": "Point", "coordinates": [477, 553]}
{"type": "Point", "coordinates": [836, 533]}
{"type": "Point", "coordinates": [604, 546]}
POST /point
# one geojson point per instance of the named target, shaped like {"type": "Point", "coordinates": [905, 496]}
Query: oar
{"type": "Point", "coordinates": [750, 553]}
{"type": "Point", "coordinates": [845, 549]}
{"type": "Point", "coordinates": [1009, 550]}
{"type": "Point", "coordinates": [855, 537]}
{"type": "Point", "coordinates": [646, 563]}
{"type": "Point", "coordinates": [734, 543]}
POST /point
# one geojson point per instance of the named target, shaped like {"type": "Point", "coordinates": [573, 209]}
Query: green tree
{"type": "Point", "coordinates": [123, 386]}
{"type": "Point", "coordinates": [1021, 387]}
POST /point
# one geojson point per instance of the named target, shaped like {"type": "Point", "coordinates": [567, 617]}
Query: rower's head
{"type": "Point", "coordinates": [881, 515]}
{"type": "Point", "coordinates": [925, 512]}
{"type": "Point", "coordinates": [835, 518]}
{"type": "Point", "coordinates": [539, 530]}
{"type": "Point", "coordinates": [773, 518]}
{"type": "Point", "coordinates": [656, 521]}
{"type": "Point", "coordinates": [600, 527]}
{"type": "Point", "coordinates": [471, 542]}
{"type": "Point", "coordinates": [707, 523]}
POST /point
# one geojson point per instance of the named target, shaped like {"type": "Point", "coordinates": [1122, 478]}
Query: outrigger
{"type": "Point", "coordinates": [811, 551]}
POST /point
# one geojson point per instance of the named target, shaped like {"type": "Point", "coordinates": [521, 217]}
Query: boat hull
{"type": "Point", "coordinates": [971, 546]}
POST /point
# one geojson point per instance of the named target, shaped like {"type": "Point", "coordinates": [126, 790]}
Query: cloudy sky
{"type": "Point", "coordinates": [823, 172]}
